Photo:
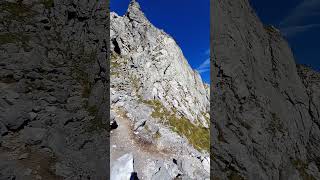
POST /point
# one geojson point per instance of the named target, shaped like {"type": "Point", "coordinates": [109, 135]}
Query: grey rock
{"type": "Point", "coordinates": [22, 86]}
{"type": "Point", "coordinates": [144, 135]}
{"type": "Point", "coordinates": [192, 168]}
{"type": "Point", "coordinates": [47, 72]}
{"type": "Point", "coordinates": [206, 163]}
{"type": "Point", "coordinates": [3, 129]}
{"type": "Point", "coordinates": [36, 109]}
{"type": "Point", "coordinates": [61, 95]}
{"type": "Point", "coordinates": [139, 123]}
{"type": "Point", "coordinates": [173, 170]}
{"type": "Point", "coordinates": [51, 99]}
{"type": "Point", "coordinates": [74, 103]}
{"type": "Point", "coordinates": [162, 172]}
{"type": "Point", "coordinates": [263, 106]}
{"type": "Point", "coordinates": [112, 115]}
{"type": "Point", "coordinates": [32, 115]}
{"type": "Point", "coordinates": [12, 95]}
{"type": "Point", "coordinates": [152, 127]}
{"type": "Point", "coordinates": [12, 48]}
{"type": "Point", "coordinates": [33, 136]}
{"type": "Point", "coordinates": [96, 95]}
{"type": "Point", "coordinates": [51, 108]}
{"type": "Point", "coordinates": [115, 98]}
{"type": "Point", "coordinates": [27, 172]}
{"type": "Point", "coordinates": [15, 117]}
{"type": "Point", "coordinates": [122, 168]}
{"type": "Point", "coordinates": [23, 156]}
{"type": "Point", "coordinates": [62, 170]}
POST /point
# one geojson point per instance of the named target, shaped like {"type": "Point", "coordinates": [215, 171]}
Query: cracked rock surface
{"type": "Point", "coordinates": [160, 104]}
{"type": "Point", "coordinates": [265, 109]}
{"type": "Point", "coordinates": [53, 111]}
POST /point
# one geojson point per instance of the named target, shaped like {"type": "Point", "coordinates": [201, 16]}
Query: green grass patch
{"type": "Point", "coordinates": [275, 124]}
{"type": "Point", "coordinates": [80, 63]}
{"type": "Point", "coordinates": [197, 136]}
{"type": "Point", "coordinates": [116, 74]}
{"type": "Point", "coordinates": [301, 167]}
{"type": "Point", "coordinates": [48, 3]}
{"type": "Point", "coordinates": [206, 117]}
{"type": "Point", "coordinates": [116, 60]}
{"type": "Point", "coordinates": [18, 10]}
{"type": "Point", "coordinates": [157, 135]}
{"type": "Point", "coordinates": [13, 38]}
{"type": "Point", "coordinates": [135, 81]}
{"type": "Point", "coordinates": [115, 65]}
{"type": "Point", "coordinates": [82, 77]}
{"type": "Point", "coordinates": [215, 178]}
{"type": "Point", "coordinates": [97, 123]}
{"type": "Point", "coordinates": [86, 89]}
{"type": "Point", "coordinates": [114, 70]}
{"type": "Point", "coordinates": [79, 68]}
{"type": "Point", "coordinates": [235, 176]}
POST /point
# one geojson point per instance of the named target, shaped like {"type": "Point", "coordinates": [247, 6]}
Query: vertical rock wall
{"type": "Point", "coordinates": [263, 125]}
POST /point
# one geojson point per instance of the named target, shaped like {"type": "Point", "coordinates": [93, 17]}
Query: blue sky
{"type": "Point", "coordinates": [299, 21]}
{"type": "Point", "coordinates": [188, 22]}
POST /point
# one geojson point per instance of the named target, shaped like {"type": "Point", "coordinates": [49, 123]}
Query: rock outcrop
{"type": "Point", "coordinates": [122, 168]}
{"type": "Point", "coordinates": [53, 87]}
{"type": "Point", "coordinates": [265, 115]}
{"type": "Point", "coordinates": [159, 102]}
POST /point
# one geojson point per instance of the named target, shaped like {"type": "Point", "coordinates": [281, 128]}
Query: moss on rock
{"type": "Point", "coordinates": [6, 38]}
{"type": "Point", "coordinates": [197, 136]}
{"type": "Point", "coordinates": [301, 167]}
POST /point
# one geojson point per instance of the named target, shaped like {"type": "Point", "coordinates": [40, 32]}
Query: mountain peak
{"type": "Point", "coordinates": [135, 4]}
{"type": "Point", "coordinates": [135, 13]}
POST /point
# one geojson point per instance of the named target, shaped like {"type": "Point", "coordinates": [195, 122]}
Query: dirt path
{"type": "Point", "coordinates": [123, 140]}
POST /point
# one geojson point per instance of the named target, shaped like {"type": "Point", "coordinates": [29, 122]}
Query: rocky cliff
{"type": "Point", "coordinates": [159, 102]}
{"type": "Point", "coordinates": [265, 110]}
{"type": "Point", "coordinates": [53, 87]}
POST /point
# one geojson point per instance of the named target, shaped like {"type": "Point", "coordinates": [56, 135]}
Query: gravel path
{"type": "Point", "coordinates": [123, 140]}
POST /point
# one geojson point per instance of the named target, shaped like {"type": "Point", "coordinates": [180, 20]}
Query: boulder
{"type": "Point", "coordinates": [122, 168]}
{"type": "Point", "coordinates": [33, 136]}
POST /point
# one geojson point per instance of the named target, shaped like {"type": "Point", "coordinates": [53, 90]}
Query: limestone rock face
{"type": "Point", "coordinates": [160, 103]}
{"type": "Point", "coordinates": [265, 119]}
{"type": "Point", "coordinates": [53, 106]}
{"type": "Point", "coordinates": [158, 64]}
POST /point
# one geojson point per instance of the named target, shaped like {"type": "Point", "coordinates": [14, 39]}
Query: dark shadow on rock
{"type": "Point", "coordinates": [134, 176]}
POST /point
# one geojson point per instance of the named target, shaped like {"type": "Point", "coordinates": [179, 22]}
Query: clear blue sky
{"type": "Point", "coordinates": [299, 21]}
{"type": "Point", "coordinates": [188, 22]}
